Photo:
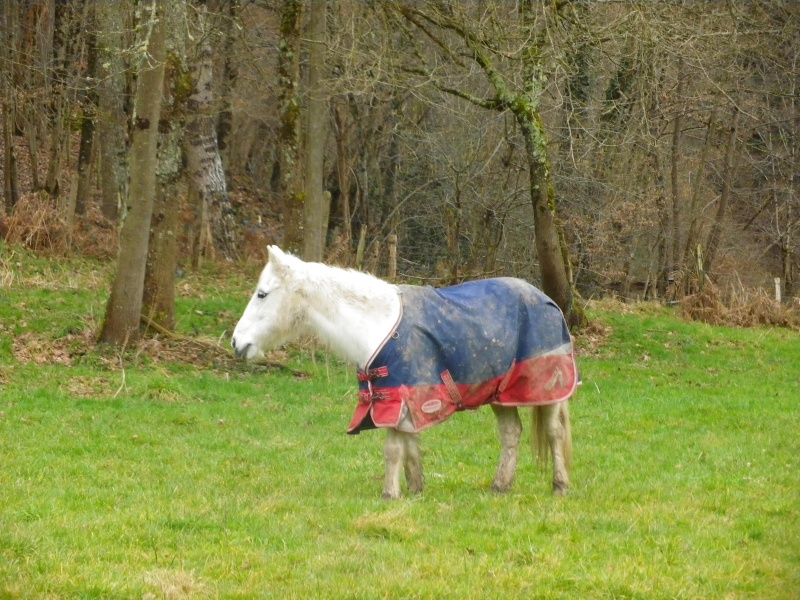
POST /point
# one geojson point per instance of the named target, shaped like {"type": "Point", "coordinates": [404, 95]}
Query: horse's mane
{"type": "Point", "coordinates": [342, 284]}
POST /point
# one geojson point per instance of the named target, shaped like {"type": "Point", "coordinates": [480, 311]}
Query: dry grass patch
{"type": "Point", "coordinates": [393, 524]}
{"type": "Point", "coordinates": [91, 387]}
{"type": "Point", "coordinates": [7, 275]}
{"type": "Point", "coordinates": [174, 585]}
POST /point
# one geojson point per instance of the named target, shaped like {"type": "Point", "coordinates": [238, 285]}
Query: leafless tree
{"type": "Point", "coordinates": [124, 309]}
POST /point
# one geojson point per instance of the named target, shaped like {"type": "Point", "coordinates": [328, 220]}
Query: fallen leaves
{"type": "Point", "coordinates": [591, 339]}
{"type": "Point", "coordinates": [34, 348]}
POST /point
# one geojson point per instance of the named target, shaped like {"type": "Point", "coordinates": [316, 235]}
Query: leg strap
{"type": "Point", "coordinates": [452, 389]}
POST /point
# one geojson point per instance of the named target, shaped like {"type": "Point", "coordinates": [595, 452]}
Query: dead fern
{"type": "Point", "coordinates": [744, 309]}
{"type": "Point", "coordinates": [705, 306]}
{"type": "Point", "coordinates": [37, 224]}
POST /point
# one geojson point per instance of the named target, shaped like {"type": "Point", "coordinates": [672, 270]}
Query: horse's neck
{"type": "Point", "coordinates": [351, 312]}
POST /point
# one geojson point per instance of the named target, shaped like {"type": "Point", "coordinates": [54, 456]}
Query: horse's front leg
{"type": "Point", "coordinates": [413, 463]}
{"type": "Point", "coordinates": [393, 454]}
{"type": "Point", "coordinates": [401, 452]}
{"type": "Point", "coordinates": [510, 428]}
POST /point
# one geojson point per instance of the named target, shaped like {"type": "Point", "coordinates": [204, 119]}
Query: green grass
{"type": "Point", "coordinates": [129, 476]}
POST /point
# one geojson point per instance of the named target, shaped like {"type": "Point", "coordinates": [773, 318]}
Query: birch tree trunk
{"type": "Point", "coordinates": [207, 177]}
{"type": "Point", "coordinates": [124, 309]}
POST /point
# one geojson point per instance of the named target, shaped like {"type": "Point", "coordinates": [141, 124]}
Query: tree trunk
{"type": "Point", "coordinates": [341, 131]}
{"type": "Point", "coordinates": [65, 34]}
{"type": "Point", "coordinates": [10, 177]}
{"type": "Point", "coordinates": [663, 260]}
{"type": "Point", "coordinates": [227, 83]}
{"type": "Point", "coordinates": [112, 121]}
{"type": "Point", "coordinates": [453, 215]}
{"type": "Point", "coordinates": [551, 248]}
{"type": "Point", "coordinates": [714, 237]}
{"type": "Point", "coordinates": [292, 196]}
{"type": "Point", "coordinates": [158, 296]}
{"type": "Point", "coordinates": [788, 266]}
{"type": "Point", "coordinates": [677, 132]}
{"type": "Point", "coordinates": [697, 186]}
{"type": "Point", "coordinates": [548, 244]}
{"type": "Point", "coordinates": [35, 59]}
{"type": "Point", "coordinates": [124, 310]}
{"type": "Point", "coordinates": [198, 230]}
{"type": "Point", "coordinates": [389, 217]}
{"type": "Point", "coordinates": [204, 162]}
{"type": "Point", "coordinates": [8, 100]}
{"type": "Point", "coordinates": [89, 114]}
{"type": "Point", "coordinates": [316, 211]}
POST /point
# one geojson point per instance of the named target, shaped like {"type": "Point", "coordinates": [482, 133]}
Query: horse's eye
{"type": "Point", "coordinates": [261, 295]}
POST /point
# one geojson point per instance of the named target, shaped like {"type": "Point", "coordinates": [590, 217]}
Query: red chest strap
{"type": "Point", "coordinates": [373, 374]}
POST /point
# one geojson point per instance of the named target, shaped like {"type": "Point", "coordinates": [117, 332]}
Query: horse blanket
{"type": "Point", "coordinates": [497, 341]}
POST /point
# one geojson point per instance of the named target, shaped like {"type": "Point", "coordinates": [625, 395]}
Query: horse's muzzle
{"type": "Point", "coordinates": [240, 352]}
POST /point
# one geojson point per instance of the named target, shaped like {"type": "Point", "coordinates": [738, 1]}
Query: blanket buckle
{"type": "Point", "coordinates": [370, 375]}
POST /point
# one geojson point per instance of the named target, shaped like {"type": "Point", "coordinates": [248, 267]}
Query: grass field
{"type": "Point", "coordinates": [138, 475]}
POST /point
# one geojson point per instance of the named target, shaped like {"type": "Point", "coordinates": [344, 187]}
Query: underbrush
{"type": "Point", "coordinates": [36, 225]}
{"type": "Point", "coordinates": [746, 309]}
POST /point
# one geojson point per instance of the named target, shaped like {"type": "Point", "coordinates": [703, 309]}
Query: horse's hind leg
{"type": "Point", "coordinates": [510, 429]}
{"type": "Point", "coordinates": [552, 428]}
{"type": "Point", "coordinates": [413, 463]}
{"type": "Point", "coordinates": [393, 454]}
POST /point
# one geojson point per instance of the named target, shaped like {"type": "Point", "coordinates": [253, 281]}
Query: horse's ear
{"type": "Point", "coordinates": [277, 259]}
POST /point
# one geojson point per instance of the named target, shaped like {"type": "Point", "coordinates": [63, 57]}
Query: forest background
{"type": "Point", "coordinates": [640, 149]}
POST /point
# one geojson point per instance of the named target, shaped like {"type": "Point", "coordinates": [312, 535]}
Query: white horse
{"type": "Point", "coordinates": [355, 314]}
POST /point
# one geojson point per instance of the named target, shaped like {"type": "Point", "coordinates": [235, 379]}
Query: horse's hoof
{"type": "Point", "coordinates": [560, 490]}
{"type": "Point", "coordinates": [502, 489]}
{"type": "Point", "coordinates": [415, 489]}
{"type": "Point", "coordinates": [387, 496]}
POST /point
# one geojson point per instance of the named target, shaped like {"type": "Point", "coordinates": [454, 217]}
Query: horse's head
{"type": "Point", "coordinates": [274, 314]}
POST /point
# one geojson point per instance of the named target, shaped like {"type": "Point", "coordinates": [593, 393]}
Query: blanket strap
{"type": "Point", "coordinates": [504, 384]}
{"type": "Point", "coordinates": [452, 389]}
{"type": "Point", "coordinates": [373, 374]}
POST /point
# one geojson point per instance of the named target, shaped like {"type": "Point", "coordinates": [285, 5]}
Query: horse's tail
{"type": "Point", "coordinates": [539, 439]}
